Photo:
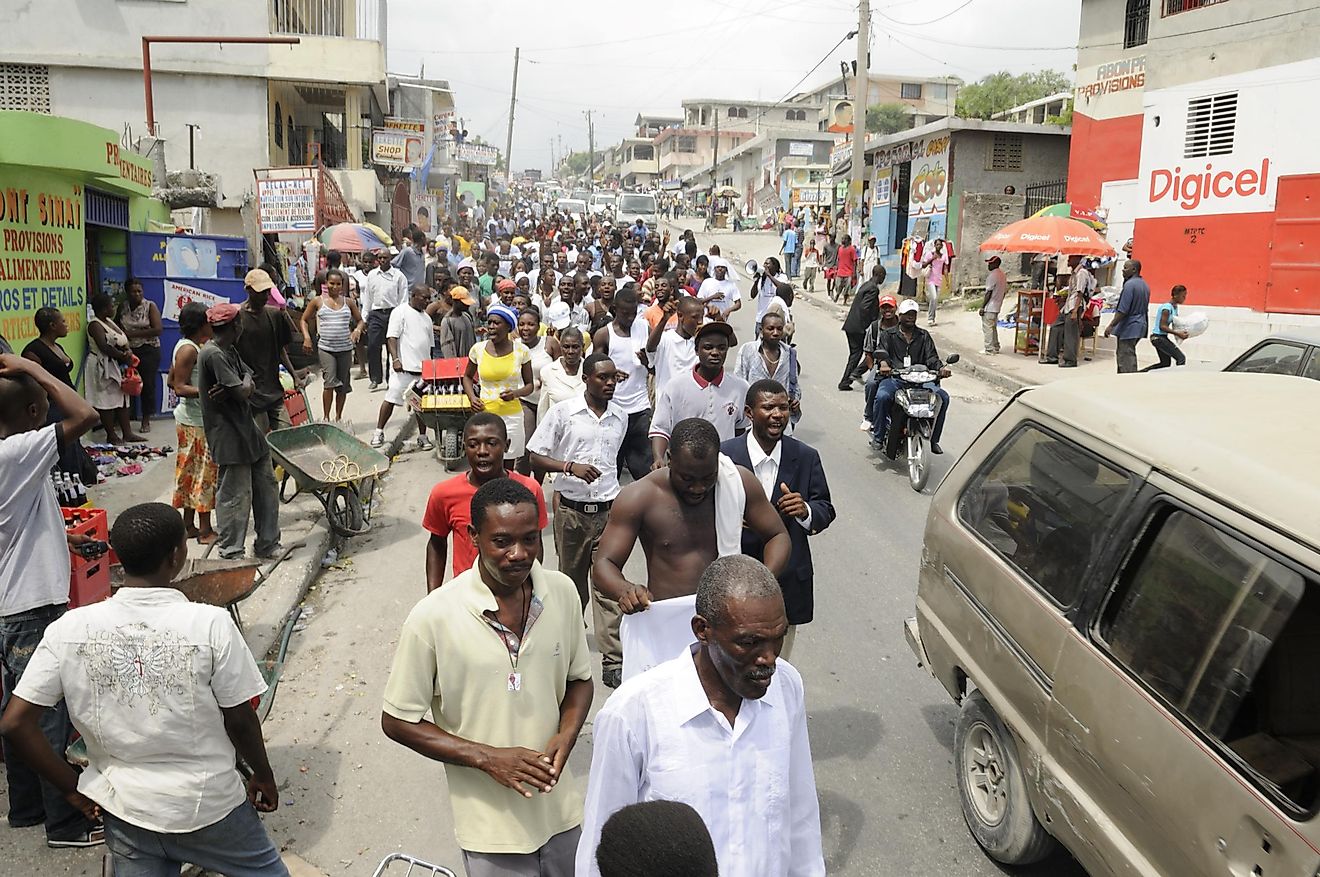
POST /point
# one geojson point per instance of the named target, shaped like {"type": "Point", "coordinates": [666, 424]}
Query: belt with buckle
{"type": "Point", "coordinates": [586, 508]}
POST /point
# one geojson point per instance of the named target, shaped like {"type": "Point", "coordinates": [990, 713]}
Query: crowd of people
{"type": "Point", "coordinates": [613, 403]}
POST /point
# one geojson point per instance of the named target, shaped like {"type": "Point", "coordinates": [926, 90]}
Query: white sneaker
{"type": "Point", "coordinates": [864, 426]}
{"type": "Point", "coordinates": [378, 438]}
{"type": "Point", "coordinates": [424, 444]}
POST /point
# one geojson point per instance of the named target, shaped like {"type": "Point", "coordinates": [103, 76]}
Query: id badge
{"type": "Point", "coordinates": [907, 362]}
{"type": "Point", "coordinates": [515, 681]}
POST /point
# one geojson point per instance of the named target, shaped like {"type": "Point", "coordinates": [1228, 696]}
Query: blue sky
{"type": "Point", "coordinates": [598, 55]}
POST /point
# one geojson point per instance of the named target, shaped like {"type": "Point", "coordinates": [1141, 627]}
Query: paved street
{"type": "Point", "coordinates": [881, 729]}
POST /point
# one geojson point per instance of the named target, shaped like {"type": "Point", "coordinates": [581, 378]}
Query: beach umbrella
{"type": "Point", "coordinates": [1052, 235]}
{"type": "Point", "coordinates": [355, 237]}
{"type": "Point", "coordinates": [1067, 210]}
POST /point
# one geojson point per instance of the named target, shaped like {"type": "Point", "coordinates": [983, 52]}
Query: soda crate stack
{"type": "Point", "coordinates": [89, 581]}
{"type": "Point", "coordinates": [441, 386]}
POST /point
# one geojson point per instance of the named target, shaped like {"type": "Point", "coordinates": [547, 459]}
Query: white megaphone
{"type": "Point", "coordinates": [753, 267]}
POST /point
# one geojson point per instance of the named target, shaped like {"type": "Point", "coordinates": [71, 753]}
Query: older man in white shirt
{"type": "Point", "coordinates": [721, 727]}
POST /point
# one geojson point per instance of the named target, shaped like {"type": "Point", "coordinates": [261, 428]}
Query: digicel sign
{"type": "Point", "coordinates": [1189, 190]}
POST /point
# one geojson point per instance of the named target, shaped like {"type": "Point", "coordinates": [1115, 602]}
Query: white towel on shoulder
{"type": "Point", "coordinates": [730, 503]}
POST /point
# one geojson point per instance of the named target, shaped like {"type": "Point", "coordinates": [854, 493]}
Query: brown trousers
{"type": "Point", "coordinates": [576, 537]}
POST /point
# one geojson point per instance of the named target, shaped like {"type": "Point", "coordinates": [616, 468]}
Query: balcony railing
{"type": "Point", "coordinates": [355, 19]}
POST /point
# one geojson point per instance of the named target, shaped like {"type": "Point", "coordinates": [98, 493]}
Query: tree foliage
{"type": "Point", "coordinates": [1003, 91]}
{"type": "Point", "coordinates": [887, 118]}
{"type": "Point", "coordinates": [575, 163]}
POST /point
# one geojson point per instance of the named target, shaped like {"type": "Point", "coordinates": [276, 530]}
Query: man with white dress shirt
{"type": "Point", "coordinates": [721, 727]}
{"type": "Point", "coordinates": [581, 438]}
{"type": "Point", "coordinates": [386, 289]}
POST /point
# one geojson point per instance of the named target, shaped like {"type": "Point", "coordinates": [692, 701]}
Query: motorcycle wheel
{"type": "Point", "coordinates": [918, 460]}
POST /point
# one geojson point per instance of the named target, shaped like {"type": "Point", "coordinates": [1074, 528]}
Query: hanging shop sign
{"type": "Point", "coordinates": [392, 147]}
{"type": "Point", "coordinates": [801, 147]}
{"type": "Point", "coordinates": [416, 126]}
{"type": "Point", "coordinates": [476, 153]}
{"type": "Point", "coordinates": [286, 205]}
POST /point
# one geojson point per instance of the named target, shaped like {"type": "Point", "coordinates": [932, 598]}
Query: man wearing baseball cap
{"type": "Point", "coordinates": [263, 347]}
{"type": "Point", "coordinates": [458, 332]}
{"type": "Point", "coordinates": [707, 392]}
{"type": "Point", "coordinates": [996, 286]}
{"type": "Point", "coordinates": [906, 344]}
{"type": "Point", "coordinates": [237, 444]}
{"type": "Point", "coordinates": [887, 320]}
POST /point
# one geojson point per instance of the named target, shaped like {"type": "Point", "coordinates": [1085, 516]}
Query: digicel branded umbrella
{"type": "Point", "coordinates": [1051, 235]}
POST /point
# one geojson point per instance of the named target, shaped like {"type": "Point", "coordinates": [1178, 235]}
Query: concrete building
{"type": "Point", "coordinates": [953, 178]}
{"type": "Point", "coordinates": [775, 169]}
{"type": "Point", "coordinates": [1037, 112]}
{"type": "Point", "coordinates": [638, 167]}
{"type": "Point", "coordinates": [681, 150]}
{"type": "Point", "coordinates": [928, 99]}
{"type": "Point", "coordinates": [316, 99]}
{"type": "Point", "coordinates": [1191, 137]}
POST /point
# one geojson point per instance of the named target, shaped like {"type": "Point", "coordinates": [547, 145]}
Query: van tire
{"type": "Point", "coordinates": [998, 816]}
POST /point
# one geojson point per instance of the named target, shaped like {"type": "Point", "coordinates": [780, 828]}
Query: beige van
{"type": "Point", "coordinates": [1121, 587]}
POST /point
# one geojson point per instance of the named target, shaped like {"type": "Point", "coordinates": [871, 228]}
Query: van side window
{"type": "Point", "coordinates": [1044, 504]}
{"type": "Point", "coordinates": [1229, 638]}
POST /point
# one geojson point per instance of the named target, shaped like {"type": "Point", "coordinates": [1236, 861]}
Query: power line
{"type": "Point", "coordinates": [948, 14]}
{"type": "Point", "coordinates": [1217, 27]}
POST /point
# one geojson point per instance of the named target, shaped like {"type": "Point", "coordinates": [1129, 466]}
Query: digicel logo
{"type": "Point", "coordinates": [1190, 190]}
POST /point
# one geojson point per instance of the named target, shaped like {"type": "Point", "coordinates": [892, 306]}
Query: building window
{"type": "Point", "coordinates": [910, 90]}
{"type": "Point", "coordinates": [686, 144]}
{"type": "Point", "coordinates": [1211, 125]}
{"type": "Point", "coordinates": [279, 125]}
{"type": "Point", "coordinates": [1005, 153]}
{"type": "Point", "coordinates": [796, 115]}
{"type": "Point", "coordinates": [737, 112]}
{"type": "Point", "coordinates": [1136, 23]}
{"type": "Point", "coordinates": [1173, 7]}
{"type": "Point", "coordinates": [1069, 494]}
{"type": "Point", "coordinates": [643, 153]}
{"type": "Point", "coordinates": [25, 87]}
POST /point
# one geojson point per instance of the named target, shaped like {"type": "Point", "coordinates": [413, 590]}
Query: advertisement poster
{"type": "Point", "coordinates": [286, 205]}
{"type": "Point", "coordinates": [179, 294]}
{"type": "Point", "coordinates": [190, 257]}
{"type": "Point", "coordinates": [42, 257]}
{"type": "Point", "coordinates": [928, 197]}
{"type": "Point", "coordinates": [476, 153]}
{"type": "Point", "coordinates": [391, 147]}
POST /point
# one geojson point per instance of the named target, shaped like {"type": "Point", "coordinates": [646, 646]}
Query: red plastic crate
{"type": "Point", "coordinates": [89, 580]}
{"type": "Point", "coordinates": [443, 369]}
{"type": "Point", "coordinates": [295, 404]}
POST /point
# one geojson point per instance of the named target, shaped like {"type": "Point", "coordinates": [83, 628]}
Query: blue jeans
{"type": "Point", "coordinates": [884, 398]}
{"type": "Point", "coordinates": [32, 800]}
{"type": "Point", "coordinates": [236, 846]}
{"type": "Point", "coordinates": [791, 263]}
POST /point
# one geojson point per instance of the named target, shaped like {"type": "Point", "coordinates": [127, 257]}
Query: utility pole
{"type": "Point", "coordinates": [862, 91]}
{"type": "Point", "coordinates": [552, 156]}
{"type": "Point", "coordinates": [714, 162]}
{"type": "Point", "coordinates": [591, 153]}
{"type": "Point", "coordinates": [513, 101]}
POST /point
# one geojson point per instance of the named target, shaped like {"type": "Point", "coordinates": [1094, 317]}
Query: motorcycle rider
{"type": "Point", "coordinates": [906, 341]}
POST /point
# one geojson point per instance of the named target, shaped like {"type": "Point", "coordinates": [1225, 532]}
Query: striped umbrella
{"type": "Point", "coordinates": [355, 237]}
{"type": "Point", "coordinates": [1067, 210]}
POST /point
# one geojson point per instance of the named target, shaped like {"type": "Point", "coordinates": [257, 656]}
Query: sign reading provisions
{"type": "Point", "coordinates": [286, 205]}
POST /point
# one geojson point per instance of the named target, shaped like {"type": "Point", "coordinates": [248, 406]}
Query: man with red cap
{"type": "Point", "coordinates": [888, 318]}
{"type": "Point", "coordinates": [238, 446]}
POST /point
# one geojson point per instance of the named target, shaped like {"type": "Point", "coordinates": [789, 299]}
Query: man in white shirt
{"type": "Point", "coordinates": [707, 391]}
{"type": "Point", "coordinates": [34, 573]}
{"type": "Point", "coordinates": [581, 438]}
{"type": "Point", "coordinates": [719, 290]}
{"type": "Point", "coordinates": [409, 335]}
{"type": "Point", "coordinates": [996, 286]}
{"type": "Point", "coordinates": [386, 289]}
{"type": "Point", "coordinates": [673, 351]}
{"type": "Point", "coordinates": [721, 727]}
{"type": "Point", "coordinates": [160, 689]}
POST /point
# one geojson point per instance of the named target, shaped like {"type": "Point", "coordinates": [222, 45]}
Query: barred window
{"type": "Point", "coordinates": [1005, 153]}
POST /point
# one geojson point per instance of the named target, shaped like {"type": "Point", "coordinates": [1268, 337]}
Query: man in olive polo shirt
{"type": "Point", "coordinates": [499, 657]}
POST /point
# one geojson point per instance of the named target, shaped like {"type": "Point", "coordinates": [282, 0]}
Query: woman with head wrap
{"type": "Point", "coordinates": [499, 376]}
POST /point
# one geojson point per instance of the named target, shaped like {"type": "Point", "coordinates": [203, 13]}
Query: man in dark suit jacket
{"type": "Point", "coordinates": [797, 489]}
{"type": "Point", "coordinates": [864, 311]}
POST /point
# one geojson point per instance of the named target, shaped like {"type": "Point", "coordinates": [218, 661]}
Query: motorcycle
{"type": "Point", "coordinates": [912, 419]}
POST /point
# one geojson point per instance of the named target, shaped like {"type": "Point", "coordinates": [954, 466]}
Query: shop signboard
{"type": "Point", "coordinates": [801, 147]}
{"type": "Point", "coordinates": [415, 126]}
{"type": "Point", "coordinates": [285, 206]}
{"type": "Point", "coordinates": [396, 148]}
{"type": "Point", "coordinates": [476, 153]}
{"type": "Point", "coordinates": [928, 195]}
{"type": "Point", "coordinates": [179, 294]}
{"type": "Point", "coordinates": [42, 255]}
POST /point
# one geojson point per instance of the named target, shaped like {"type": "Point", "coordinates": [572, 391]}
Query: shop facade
{"type": "Point", "coordinates": [70, 196]}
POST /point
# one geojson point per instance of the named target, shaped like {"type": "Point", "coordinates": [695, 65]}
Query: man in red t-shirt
{"type": "Point", "coordinates": [845, 270]}
{"type": "Point", "coordinates": [449, 509]}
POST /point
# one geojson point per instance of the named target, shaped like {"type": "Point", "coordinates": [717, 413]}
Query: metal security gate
{"type": "Point", "coordinates": [1042, 195]}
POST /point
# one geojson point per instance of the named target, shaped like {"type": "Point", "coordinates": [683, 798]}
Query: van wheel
{"type": "Point", "coordinates": [993, 788]}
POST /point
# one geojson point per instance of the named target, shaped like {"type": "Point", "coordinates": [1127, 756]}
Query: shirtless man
{"type": "Point", "coordinates": [673, 512]}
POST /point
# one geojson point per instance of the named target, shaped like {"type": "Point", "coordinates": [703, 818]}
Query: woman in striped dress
{"type": "Point", "coordinates": [338, 324]}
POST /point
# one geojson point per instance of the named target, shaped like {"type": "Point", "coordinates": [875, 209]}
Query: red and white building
{"type": "Point", "coordinates": [1195, 133]}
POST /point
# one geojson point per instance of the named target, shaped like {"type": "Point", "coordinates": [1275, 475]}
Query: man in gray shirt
{"type": "Point", "coordinates": [1130, 323]}
{"type": "Point", "coordinates": [412, 260]}
{"type": "Point", "coordinates": [996, 287]}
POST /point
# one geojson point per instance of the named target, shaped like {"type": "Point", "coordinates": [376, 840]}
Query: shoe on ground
{"type": "Point", "coordinates": [94, 836]}
{"type": "Point", "coordinates": [612, 678]}
{"type": "Point", "coordinates": [423, 443]}
{"type": "Point", "coordinates": [845, 387]}
{"type": "Point", "coordinates": [864, 426]}
{"type": "Point", "coordinates": [935, 448]}
{"type": "Point", "coordinates": [378, 438]}
{"type": "Point", "coordinates": [1067, 365]}
{"type": "Point", "coordinates": [1050, 361]}
{"type": "Point", "coordinates": [273, 552]}
{"type": "Point", "coordinates": [374, 387]}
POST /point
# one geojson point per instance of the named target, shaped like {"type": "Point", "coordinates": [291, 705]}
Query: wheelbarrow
{"type": "Point", "coordinates": [441, 405]}
{"type": "Point", "coordinates": [404, 865]}
{"type": "Point", "coordinates": [335, 467]}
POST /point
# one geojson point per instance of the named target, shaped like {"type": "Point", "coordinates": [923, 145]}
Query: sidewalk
{"type": "Point", "coordinates": [303, 529]}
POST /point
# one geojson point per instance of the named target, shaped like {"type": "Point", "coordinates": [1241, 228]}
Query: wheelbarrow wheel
{"type": "Point", "coordinates": [344, 511]}
{"type": "Point", "coordinates": [450, 451]}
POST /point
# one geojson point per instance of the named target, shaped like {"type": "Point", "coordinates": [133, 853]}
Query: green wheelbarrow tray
{"type": "Point", "coordinates": [337, 468]}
